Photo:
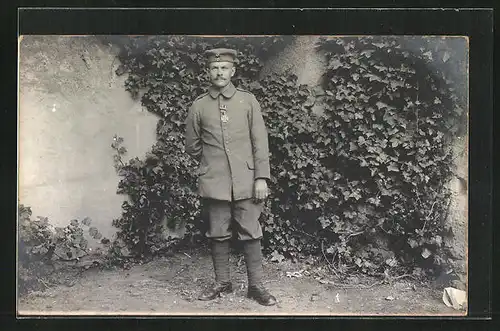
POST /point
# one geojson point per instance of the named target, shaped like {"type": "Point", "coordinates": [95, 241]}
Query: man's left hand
{"type": "Point", "coordinates": [260, 190]}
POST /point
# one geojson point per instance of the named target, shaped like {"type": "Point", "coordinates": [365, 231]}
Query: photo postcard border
{"type": "Point", "coordinates": [477, 27]}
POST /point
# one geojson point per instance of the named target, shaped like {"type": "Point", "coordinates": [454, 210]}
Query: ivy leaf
{"type": "Point", "coordinates": [395, 142]}
{"type": "Point", "coordinates": [355, 195]}
{"type": "Point", "coordinates": [392, 262]}
{"type": "Point", "coordinates": [335, 64]}
{"type": "Point", "coordinates": [380, 45]}
{"type": "Point", "coordinates": [413, 243]}
{"type": "Point", "coordinates": [438, 240]}
{"type": "Point", "coordinates": [367, 52]}
{"type": "Point", "coordinates": [93, 231]}
{"type": "Point", "coordinates": [381, 105]}
{"type": "Point", "coordinates": [426, 253]}
{"type": "Point", "coordinates": [393, 167]}
{"type": "Point", "coordinates": [372, 77]}
{"type": "Point", "coordinates": [375, 201]}
{"type": "Point", "coordinates": [325, 222]}
{"type": "Point", "coordinates": [86, 221]}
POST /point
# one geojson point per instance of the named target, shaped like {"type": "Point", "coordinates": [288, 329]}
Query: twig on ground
{"type": "Point", "coordinates": [42, 281]}
{"type": "Point", "coordinates": [403, 276]}
{"type": "Point", "coordinates": [187, 255]}
{"type": "Point", "coordinates": [346, 286]}
{"type": "Point", "coordinates": [180, 270]}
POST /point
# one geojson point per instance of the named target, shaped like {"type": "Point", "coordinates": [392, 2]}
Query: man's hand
{"type": "Point", "coordinates": [260, 189]}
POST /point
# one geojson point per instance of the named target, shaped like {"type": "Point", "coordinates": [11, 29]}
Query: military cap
{"type": "Point", "coordinates": [221, 54]}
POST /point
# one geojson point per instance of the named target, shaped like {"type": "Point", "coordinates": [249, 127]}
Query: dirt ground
{"type": "Point", "coordinates": [170, 285]}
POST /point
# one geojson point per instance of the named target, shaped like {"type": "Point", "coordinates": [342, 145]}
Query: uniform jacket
{"type": "Point", "coordinates": [231, 154]}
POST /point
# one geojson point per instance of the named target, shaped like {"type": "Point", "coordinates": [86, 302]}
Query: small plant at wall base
{"type": "Point", "coordinates": [363, 184]}
{"type": "Point", "coordinates": [41, 245]}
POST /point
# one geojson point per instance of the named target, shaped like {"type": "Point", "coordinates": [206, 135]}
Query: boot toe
{"type": "Point", "coordinates": [262, 296]}
{"type": "Point", "coordinates": [270, 301]}
{"type": "Point", "coordinates": [215, 292]}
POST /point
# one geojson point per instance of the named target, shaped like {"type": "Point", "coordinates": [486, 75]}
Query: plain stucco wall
{"type": "Point", "coordinates": [71, 103]}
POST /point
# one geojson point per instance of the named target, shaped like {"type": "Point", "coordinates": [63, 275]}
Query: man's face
{"type": "Point", "coordinates": [220, 73]}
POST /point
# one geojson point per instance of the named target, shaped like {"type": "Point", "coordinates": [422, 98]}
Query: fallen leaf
{"type": "Point", "coordinates": [390, 298]}
{"type": "Point", "coordinates": [446, 56]}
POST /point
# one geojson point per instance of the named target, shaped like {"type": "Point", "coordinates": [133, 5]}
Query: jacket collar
{"type": "Point", "coordinates": [228, 91]}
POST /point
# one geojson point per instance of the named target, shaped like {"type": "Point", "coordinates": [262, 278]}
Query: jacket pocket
{"type": "Point", "coordinates": [250, 165]}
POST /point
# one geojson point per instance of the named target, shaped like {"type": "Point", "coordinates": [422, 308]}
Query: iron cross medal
{"type": "Point", "coordinates": [224, 118]}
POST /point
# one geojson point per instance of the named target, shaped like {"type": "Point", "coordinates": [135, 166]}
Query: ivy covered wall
{"type": "Point", "coordinates": [365, 181]}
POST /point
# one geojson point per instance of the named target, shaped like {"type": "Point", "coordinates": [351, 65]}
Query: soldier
{"type": "Point", "coordinates": [226, 133]}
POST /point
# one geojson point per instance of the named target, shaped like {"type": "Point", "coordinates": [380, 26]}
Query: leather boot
{"type": "Point", "coordinates": [261, 295]}
{"type": "Point", "coordinates": [216, 291]}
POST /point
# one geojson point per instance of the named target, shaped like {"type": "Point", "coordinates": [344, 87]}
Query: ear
{"type": "Point", "coordinates": [233, 71]}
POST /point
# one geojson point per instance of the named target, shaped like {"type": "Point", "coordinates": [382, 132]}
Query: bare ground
{"type": "Point", "coordinates": [170, 285]}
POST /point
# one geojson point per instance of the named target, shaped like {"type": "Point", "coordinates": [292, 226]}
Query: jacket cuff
{"type": "Point", "coordinates": [259, 173]}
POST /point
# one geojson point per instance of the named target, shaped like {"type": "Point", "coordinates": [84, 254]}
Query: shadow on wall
{"type": "Point", "coordinates": [71, 104]}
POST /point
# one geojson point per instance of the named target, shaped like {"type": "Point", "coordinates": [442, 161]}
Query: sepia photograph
{"type": "Point", "coordinates": [243, 175]}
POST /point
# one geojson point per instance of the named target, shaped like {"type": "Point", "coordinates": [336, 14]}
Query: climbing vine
{"type": "Point", "coordinates": [362, 183]}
